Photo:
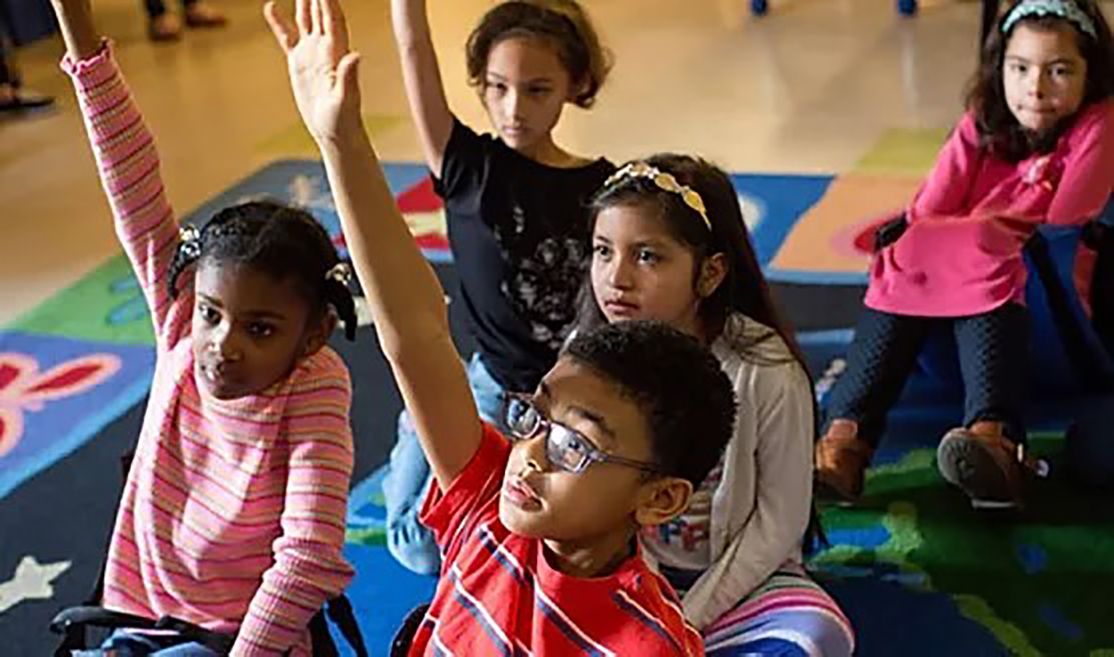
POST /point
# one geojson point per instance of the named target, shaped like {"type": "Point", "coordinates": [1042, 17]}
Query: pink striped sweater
{"type": "Point", "coordinates": [233, 514]}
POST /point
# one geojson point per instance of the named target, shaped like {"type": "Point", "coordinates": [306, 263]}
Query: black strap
{"type": "Point", "coordinates": [404, 637]}
{"type": "Point", "coordinates": [1073, 336]}
{"type": "Point", "coordinates": [340, 612]}
{"type": "Point", "coordinates": [1100, 237]}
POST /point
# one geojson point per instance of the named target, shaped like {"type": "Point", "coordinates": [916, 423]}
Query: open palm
{"type": "Point", "coordinates": [322, 69]}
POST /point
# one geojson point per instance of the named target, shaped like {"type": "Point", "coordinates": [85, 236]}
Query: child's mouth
{"type": "Point", "coordinates": [519, 494]}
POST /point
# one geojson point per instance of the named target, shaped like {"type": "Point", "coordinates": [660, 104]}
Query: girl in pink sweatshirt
{"type": "Point", "coordinates": [1035, 146]}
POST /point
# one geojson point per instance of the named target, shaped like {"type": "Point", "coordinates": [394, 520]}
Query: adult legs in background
{"type": "Point", "coordinates": [165, 26]}
{"type": "Point", "coordinates": [12, 96]}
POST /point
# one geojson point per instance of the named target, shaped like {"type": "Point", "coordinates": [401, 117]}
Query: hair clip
{"type": "Point", "coordinates": [665, 182]}
{"type": "Point", "coordinates": [341, 273]}
{"type": "Point", "coordinates": [1065, 9]}
{"type": "Point", "coordinates": [190, 238]}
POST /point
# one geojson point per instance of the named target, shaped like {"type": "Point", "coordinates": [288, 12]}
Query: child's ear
{"type": "Point", "coordinates": [577, 89]}
{"type": "Point", "coordinates": [317, 334]}
{"type": "Point", "coordinates": [662, 500]}
{"type": "Point", "coordinates": [712, 272]}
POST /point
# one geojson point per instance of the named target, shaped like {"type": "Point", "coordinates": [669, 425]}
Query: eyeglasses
{"type": "Point", "coordinates": [565, 448]}
{"type": "Point", "coordinates": [665, 182]}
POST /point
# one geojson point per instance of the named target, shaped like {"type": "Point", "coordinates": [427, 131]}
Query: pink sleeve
{"type": "Point", "coordinates": [948, 185]}
{"type": "Point", "coordinates": [1088, 177]}
{"type": "Point", "coordinates": [309, 567]}
{"type": "Point", "coordinates": [129, 171]}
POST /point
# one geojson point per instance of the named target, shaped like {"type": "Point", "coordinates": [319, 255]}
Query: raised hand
{"type": "Point", "coordinates": [322, 69]}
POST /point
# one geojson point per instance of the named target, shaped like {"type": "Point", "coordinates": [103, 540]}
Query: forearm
{"type": "Point", "coordinates": [75, 22]}
{"type": "Point", "coordinates": [407, 305]}
{"type": "Point", "coordinates": [421, 75]}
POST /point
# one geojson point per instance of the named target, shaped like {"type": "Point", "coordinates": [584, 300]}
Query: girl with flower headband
{"type": "Point", "coordinates": [1035, 146]}
{"type": "Point", "coordinates": [515, 208]}
{"type": "Point", "coordinates": [233, 513]}
{"type": "Point", "coordinates": [669, 243]}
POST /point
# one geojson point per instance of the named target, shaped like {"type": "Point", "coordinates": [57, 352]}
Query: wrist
{"type": "Point", "coordinates": [348, 131]}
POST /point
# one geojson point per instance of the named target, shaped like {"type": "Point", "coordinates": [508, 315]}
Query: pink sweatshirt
{"type": "Point", "coordinates": [962, 252]}
{"type": "Point", "coordinates": [233, 514]}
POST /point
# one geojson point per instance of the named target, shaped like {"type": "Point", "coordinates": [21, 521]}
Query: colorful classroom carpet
{"type": "Point", "coordinates": [917, 571]}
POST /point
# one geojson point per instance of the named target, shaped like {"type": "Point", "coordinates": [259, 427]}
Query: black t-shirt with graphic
{"type": "Point", "coordinates": [519, 236]}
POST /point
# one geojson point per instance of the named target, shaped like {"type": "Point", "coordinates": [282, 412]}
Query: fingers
{"type": "Point", "coordinates": [332, 16]}
{"type": "Point", "coordinates": [316, 14]}
{"type": "Point", "coordinates": [280, 27]}
{"type": "Point", "coordinates": [304, 16]}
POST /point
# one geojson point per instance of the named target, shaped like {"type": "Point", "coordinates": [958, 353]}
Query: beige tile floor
{"type": "Point", "coordinates": [810, 88]}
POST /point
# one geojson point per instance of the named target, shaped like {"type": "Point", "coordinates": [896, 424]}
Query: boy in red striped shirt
{"type": "Point", "coordinates": [538, 533]}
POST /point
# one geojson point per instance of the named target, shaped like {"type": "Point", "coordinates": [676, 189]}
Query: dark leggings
{"type": "Point", "coordinates": [156, 8]}
{"type": "Point", "coordinates": [993, 348]}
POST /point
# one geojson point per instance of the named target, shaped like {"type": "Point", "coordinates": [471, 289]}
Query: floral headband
{"type": "Point", "coordinates": [1065, 9]}
{"type": "Point", "coordinates": [665, 182]}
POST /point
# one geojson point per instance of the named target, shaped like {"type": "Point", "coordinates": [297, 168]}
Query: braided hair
{"type": "Point", "coordinates": [276, 239]}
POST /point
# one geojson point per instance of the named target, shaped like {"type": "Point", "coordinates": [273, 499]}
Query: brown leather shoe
{"type": "Point", "coordinates": [841, 460]}
{"type": "Point", "coordinates": [985, 464]}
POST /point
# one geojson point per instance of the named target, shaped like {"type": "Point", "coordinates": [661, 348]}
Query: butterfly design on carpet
{"type": "Point", "coordinates": [24, 388]}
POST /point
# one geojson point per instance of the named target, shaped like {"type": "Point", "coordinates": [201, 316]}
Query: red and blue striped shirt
{"type": "Point", "coordinates": [498, 595]}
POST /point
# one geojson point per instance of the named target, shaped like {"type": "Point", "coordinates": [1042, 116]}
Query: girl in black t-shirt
{"type": "Point", "coordinates": [516, 208]}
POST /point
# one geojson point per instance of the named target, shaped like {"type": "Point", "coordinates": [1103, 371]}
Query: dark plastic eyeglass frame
{"type": "Point", "coordinates": [591, 453]}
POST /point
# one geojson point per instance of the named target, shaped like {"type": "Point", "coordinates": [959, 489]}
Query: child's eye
{"type": "Point", "coordinates": [261, 330]}
{"type": "Point", "coordinates": [498, 87]}
{"type": "Point", "coordinates": [1061, 71]}
{"type": "Point", "coordinates": [648, 256]}
{"type": "Point", "coordinates": [601, 251]}
{"type": "Point", "coordinates": [208, 314]}
{"type": "Point", "coordinates": [539, 91]}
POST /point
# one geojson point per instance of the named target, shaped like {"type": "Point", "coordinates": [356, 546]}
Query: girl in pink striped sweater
{"type": "Point", "coordinates": [233, 513]}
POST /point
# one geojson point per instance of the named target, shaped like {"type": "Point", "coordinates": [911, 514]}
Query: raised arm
{"type": "Point", "coordinates": [128, 165]}
{"type": "Point", "coordinates": [422, 77]}
{"type": "Point", "coordinates": [406, 300]}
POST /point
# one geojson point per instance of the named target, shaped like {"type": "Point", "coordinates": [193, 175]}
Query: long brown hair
{"type": "Point", "coordinates": [1001, 134]}
{"type": "Point", "coordinates": [744, 289]}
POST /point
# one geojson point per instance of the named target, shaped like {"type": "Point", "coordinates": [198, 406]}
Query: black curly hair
{"type": "Point", "coordinates": [281, 241]}
{"type": "Point", "coordinates": [688, 401]}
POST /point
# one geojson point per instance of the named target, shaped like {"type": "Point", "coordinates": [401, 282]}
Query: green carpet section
{"type": "Point", "coordinates": [1040, 580]}
{"type": "Point", "coordinates": [104, 306]}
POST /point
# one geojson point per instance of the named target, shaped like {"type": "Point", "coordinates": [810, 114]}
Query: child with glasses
{"type": "Point", "coordinates": [669, 244]}
{"type": "Point", "coordinates": [537, 533]}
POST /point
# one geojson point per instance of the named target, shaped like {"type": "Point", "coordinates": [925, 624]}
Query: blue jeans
{"type": "Point", "coordinates": [408, 476]}
{"type": "Point", "coordinates": [131, 643]}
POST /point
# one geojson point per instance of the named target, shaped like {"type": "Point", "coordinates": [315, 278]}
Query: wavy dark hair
{"type": "Point", "coordinates": [562, 23]}
{"type": "Point", "coordinates": [1000, 132]}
